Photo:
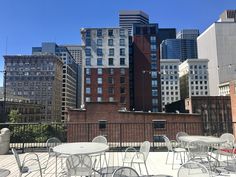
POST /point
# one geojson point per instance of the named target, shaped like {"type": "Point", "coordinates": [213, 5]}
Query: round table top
{"type": "Point", "coordinates": [81, 148]}
{"type": "Point", "coordinates": [206, 139]}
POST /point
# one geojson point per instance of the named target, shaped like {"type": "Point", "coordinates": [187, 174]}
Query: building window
{"type": "Point", "coordinates": [110, 61]}
{"type": "Point", "coordinates": [122, 52]}
{"type": "Point", "coordinates": [110, 71]}
{"type": "Point", "coordinates": [122, 32]}
{"type": "Point", "coordinates": [88, 42]}
{"type": "Point", "coordinates": [99, 61]}
{"type": "Point", "coordinates": [99, 52]}
{"type": "Point", "coordinates": [122, 42]}
{"type": "Point", "coordinates": [110, 32]}
{"type": "Point", "coordinates": [153, 48]}
{"type": "Point", "coordinates": [122, 61]}
{"type": "Point", "coordinates": [154, 92]}
{"type": "Point", "coordinates": [99, 90]}
{"type": "Point", "coordinates": [99, 99]}
{"type": "Point", "coordinates": [153, 39]}
{"type": "Point", "coordinates": [122, 71]}
{"type": "Point", "coordinates": [88, 61]}
{"type": "Point", "coordinates": [88, 90]}
{"type": "Point", "coordinates": [99, 42]}
{"type": "Point", "coordinates": [111, 99]}
{"type": "Point", "coordinates": [88, 80]}
{"type": "Point", "coordinates": [88, 52]}
{"type": "Point", "coordinates": [122, 80]}
{"type": "Point", "coordinates": [99, 71]}
{"type": "Point", "coordinates": [110, 90]}
{"type": "Point", "coordinates": [110, 80]}
{"type": "Point", "coordinates": [154, 83]}
{"type": "Point", "coordinates": [122, 90]}
{"type": "Point", "coordinates": [99, 80]}
{"type": "Point", "coordinates": [88, 71]}
{"type": "Point", "coordinates": [110, 42]}
{"type": "Point", "coordinates": [87, 99]}
{"type": "Point", "coordinates": [111, 52]}
{"type": "Point", "coordinates": [88, 33]}
{"type": "Point", "coordinates": [99, 32]}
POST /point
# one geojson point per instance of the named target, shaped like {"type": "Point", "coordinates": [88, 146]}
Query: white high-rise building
{"type": "Point", "coordinates": [193, 75]}
{"type": "Point", "coordinates": [76, 52]}
{"type": "Point", "coordinates": [170, 90]}
{"type": "Point", "coordinates": [218, 44]}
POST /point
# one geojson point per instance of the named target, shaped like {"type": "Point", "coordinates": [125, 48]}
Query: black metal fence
{"type": "Point", "coordinates": [33, 136]}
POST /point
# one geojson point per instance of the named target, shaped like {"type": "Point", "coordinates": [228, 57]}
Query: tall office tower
{"type": "Point", "coordinates": [170, 90]}
{"type": "Point", "coordinates": [188, 34]}
{"type": "Point", "coordinates": [146, 66]}
{"type": "Point", "coordinates": [166, 33]}
{"type": "Point", "coordinates": [179, 48]}
{"type": "Point", "coordinates": [217, 43]}
{"type": "Point", "coordinates": [129, 17]}
{"type": "Point", "coordinates": [77, 52]}
{"type": "Point", "coordinates": [106, 66]}
{"type": "Point", "coordinates": [39, 79]}
{"type": "Point", "coordinates": [193, 75]}
{"type": "Point", "coordinates": [70, 68]}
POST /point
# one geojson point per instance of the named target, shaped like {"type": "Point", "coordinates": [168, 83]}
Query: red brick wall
{"type": "Point", "coordinates": [127, 126]}
{"type": "Point", "coordinates": [233, 103]}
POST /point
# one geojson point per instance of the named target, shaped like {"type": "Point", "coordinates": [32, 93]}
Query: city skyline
{"type": "Point", "coordinates": [27, 24]}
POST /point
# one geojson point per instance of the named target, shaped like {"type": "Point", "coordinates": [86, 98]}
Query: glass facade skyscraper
{"type": "Point", "coordinates": [179, 49]}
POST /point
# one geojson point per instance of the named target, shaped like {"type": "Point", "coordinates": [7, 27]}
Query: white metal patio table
{"type": "Point", "coordinates": [207, 139]}
{"type": "Point", "coordinates": [79, 148]}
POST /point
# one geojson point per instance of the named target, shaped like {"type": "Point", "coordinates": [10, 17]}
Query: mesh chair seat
{"type": "Point", "coordinates": [125, 172]}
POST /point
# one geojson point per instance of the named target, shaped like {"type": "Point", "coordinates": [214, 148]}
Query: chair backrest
{"type": "Point", "coordinates": [79, 165]}
{"type": "Point", "coordinates": [193, 169]}
{"type": "Point", "coordinates": [228, 137]}
{"type": "Point", "coordinates": [125, 171]}
{"type": "Point", "coordinates": [145, 148]}
{"type": "Point", "coordinates": [17, 158]}
{"type": "Point", "coordinates": [168, 143]}
{"type": "Point", "coordinates": [179, 134]}
{"type": "Point", "coordinates": [52, 142]}
{"type": "Point", "coordinates": [198, 149]}
{"type": "Point", "coordinates": [100, 139]}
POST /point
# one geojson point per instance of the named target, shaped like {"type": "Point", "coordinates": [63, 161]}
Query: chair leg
{"type": "Point", "coordinates": [139, 168]}
{"type": "Point", "coordinates": [46, 164]}
{"type": "Point", "coordinates": [167, 157]}
{"type": "Point", "coordinates": [146, 168]}
{"type": "Point", "coordinates": [173, 160]}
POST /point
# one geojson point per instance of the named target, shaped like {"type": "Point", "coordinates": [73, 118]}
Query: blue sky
{"type": "Point", "coordinates": [27, 23]}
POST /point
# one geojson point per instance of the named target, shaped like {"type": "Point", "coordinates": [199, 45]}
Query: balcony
{"type": "Point", "coordinates": [32, 137]}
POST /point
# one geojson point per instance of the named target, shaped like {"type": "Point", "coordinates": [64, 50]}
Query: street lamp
{"type": "Point", "coordinates": [143, 100]}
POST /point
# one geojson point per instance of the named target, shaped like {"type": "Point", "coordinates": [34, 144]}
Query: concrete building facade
{"type": "Point", "coordinates": [70, 75]}
{"type": "Point", "coordinates": [106, 65]}
{"type": "Point", "coordinates": [170, 87]}
{"type": "Point", "coordinates": [217, 43]}
{"type": "Point", "coordinates": [39, 79]}
{"type": "Point", "coordinates": [194, 79]}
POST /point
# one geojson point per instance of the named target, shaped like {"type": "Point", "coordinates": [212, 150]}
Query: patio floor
{"type": "Point", "coordinates": [156, 164]}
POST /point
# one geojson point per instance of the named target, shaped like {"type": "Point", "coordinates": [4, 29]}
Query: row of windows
{"type": "Point", "coordinates": [199, 93]}
{"type": "Point", "coordinates": [171, 88]}
{"type": "Point", "coordinates": [111, 90]}
{"type": "Point", "coordinates": [100, 71]}
{"type": "Point", "coordinates": [197, 66]}
{"type": "Point", "coordinates": [198, 82]}
{"type": "Point", "coordinates": [169, 82]}
{"type": "Point", "coordinates": [100, 62]}
{"type": "Point", "coordinates": [111, 99]}
{"type": "Point", "coordinates": [169, 67]}
{"type": "Point", "coordinates": [199, 87]}
{"type": "Point", "coordinates": [100, 32]}
{"type": "Point", "coordinates": [111, 52]}
{"type": "Point", "coordinates": [110, 80]}
{"type": "Point", "coordinates": [169, 77]}
{"type": "Point", "coordinates": [110, 42]}
{"type": "Point", "coordinates": [170, 93]}
{"type": "Point", "coordinates": [172, 98]}
{"type": "Point", "coordinates": [198, 77]}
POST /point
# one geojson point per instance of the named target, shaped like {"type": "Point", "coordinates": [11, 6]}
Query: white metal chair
{"type": "Point", "coordinates": [29, 164]}
{"type": "Point", "coordinates": [125, 172]}
{"type": "Point", "coordinates": [50, 144]}
{"type": "Point", "coordinates": [170, 148]}
{"type": "Point", "coordinates": [132, 156]}
{"type": "Point", "coordinates": [180, 143]}
{"type": "Point", "coordinates": [100, 139]}
{"type": "Point", "coordinates": [193, 169]}
{"type": "Point", "coordinates": [79, 165]}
